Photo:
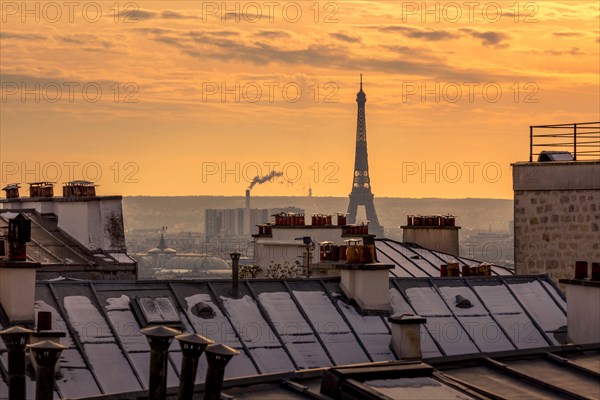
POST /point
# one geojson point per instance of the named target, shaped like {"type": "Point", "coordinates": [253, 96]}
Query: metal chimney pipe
{"type": "Point", "coordinates": [46, 355]}
{"type": "Point", "coordinates": [581, 269]}
{"type": "Point", "coordinates": [159, 338]}
{"type": "Point", "coordinates": [19, 233]}
{"type": "Point", "coordinates": [16, 339]}
{"type": "Point", "coordinates": [44, 321]}
{"type": "Point", "coordinates": [595, 271]}
{"type": "Point", "coordinates": [217, 355]}
{"type": "Point", "coordinates": [235, 272]}
{"type": "Point", "coordinates": [192, 347]}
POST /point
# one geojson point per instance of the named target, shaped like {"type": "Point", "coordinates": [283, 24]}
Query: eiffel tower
{"type": "Point", "coordinates": [361, 194]}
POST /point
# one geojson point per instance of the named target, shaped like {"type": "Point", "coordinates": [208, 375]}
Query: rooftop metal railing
{"type": "Point", "coordinates": [582, 140]}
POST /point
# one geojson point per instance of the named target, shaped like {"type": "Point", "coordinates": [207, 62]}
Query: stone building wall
{"type": "Point", "coordinates": [556, 218]}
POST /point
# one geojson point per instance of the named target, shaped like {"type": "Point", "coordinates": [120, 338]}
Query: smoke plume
{"type": "Point", "coordinates": [262, 179]}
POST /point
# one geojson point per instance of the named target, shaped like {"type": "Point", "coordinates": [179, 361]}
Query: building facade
{"type": "Point", "coordinates": [230, 223]}
{"type": "Point", "coordinates": [557, 216]}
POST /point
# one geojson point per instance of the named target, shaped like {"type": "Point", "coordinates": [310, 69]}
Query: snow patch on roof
{"type": "Point", "coordinates": [117, 303]}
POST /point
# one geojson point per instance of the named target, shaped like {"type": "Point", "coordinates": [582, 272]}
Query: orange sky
{"type": "Point", "coordinates": [180, 137]}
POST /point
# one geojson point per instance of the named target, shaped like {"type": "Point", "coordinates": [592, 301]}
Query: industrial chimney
{"type": "Point", "coordinates": [247, 229]}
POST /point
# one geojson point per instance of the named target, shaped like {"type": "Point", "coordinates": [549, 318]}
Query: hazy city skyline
{"type": "Point", "coordinates": [170, 119]}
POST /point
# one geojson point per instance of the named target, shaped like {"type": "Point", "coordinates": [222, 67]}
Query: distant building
{"type": "Point", "coordinates": [164, 262]}
{"type": "Point", "coordinates": [232, 222]}
{"type": "Point", "coordinates": [497, 247]}
{"type": "Point", "coordinates": [186, 242]}
{"type": "Point", "coordinates": [292, 210]}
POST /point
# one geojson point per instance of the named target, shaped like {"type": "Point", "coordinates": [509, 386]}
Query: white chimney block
{"type": "Point", "coordinates": [367, 285]}
{"type": "Point", "coordinates": [406, 336]}
{"type": "Point", "coordinates": [17, 290]}
{"type": "Point", "coordinates": [583, 318]}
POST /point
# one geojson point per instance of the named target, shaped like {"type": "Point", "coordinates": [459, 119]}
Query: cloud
{"type": "Point", "coordinates": [225, 33]}
{"type": "Point", "coordinates": [88, 41]}
{"type": "Point", "coordinates": [573, 51]}
{"type": "Point", "coordinates": [242, 16]}
{"type": "Point", "coordinates": [137, 15]}
{"type": "Point", "coordinates": [344, 37]}
{"type": "Point", "coordinates": [488, 38]}
{"type": "Point", "coordinates": [206, 45]}
{"type": "Point", "coordinates": [405, 51]}
{"type": "Point", "coordinates": [567, 34]}
{"type": "Point", "coordinates": [414, 33]}
{"type": "Point", "coordinates": [169, 14]}
{"type": "Point", "coordinates": [273, 34]}
{"type": "Point", "coordinates": [144, 15]}
{"type": "Point", "coordinates": [21, 36]}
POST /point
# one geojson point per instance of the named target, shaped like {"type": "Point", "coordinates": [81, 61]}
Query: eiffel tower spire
{"type": "Point", "coordinates": [361, 194]}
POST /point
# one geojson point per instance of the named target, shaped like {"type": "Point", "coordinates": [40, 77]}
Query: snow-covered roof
{"type": "Point", "coordinates": [414, 261]}
{"type": "Point", "coordinates": [281, 325]}
{"type": "Point", "coordinates": [61, 255]}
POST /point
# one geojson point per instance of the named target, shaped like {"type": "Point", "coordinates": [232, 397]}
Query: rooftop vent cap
{"type": "Point", "coordinates": [546, 156]}
{"type": "Point", "coordinates": [462, 302]}
{"type": "Point", "coordinates": [12, 190]}
{"type": "Point", "coordinates": [41, 189]}
{"type": "Point", "coordinates": [203, 310]}
{"type": "Point", "coordinates": [79, 189]}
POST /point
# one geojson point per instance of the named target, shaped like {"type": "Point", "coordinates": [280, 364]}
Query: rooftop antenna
{"type": "Point", "coordinates": [361, 82]}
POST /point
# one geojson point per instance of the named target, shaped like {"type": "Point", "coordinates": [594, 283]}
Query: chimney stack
{"type": "Point", "coordinates": [581, 269]}
{"type": "Point", "coordinates": [583, 297]}
{"type": "Point", "coordinates": [44, 321]}
{"type": "Point", "coordinates": [79, 189]}
{"type": "Point", "coordinates": [218, 356]}
{"type": "Point", "coordinates": [159, 338]}
{"type": "Point", "coordinates": [16, 339]}
{"type": "Point", "coordinates": [247, 228]}
{"type": "Point", "coordinates": [595, 271]}
{"type": "Point", "coordinates": [406, 336]}
{"type": "Point", "coordinates": [46, 356]}
{"type": "Point", "coordinates": [433, 232]}
{"type": "Point", "coordinates": [192, 347]}
{"type": "Point", "coordinates": [12, 191]}
{"type": "Point", "coordinates": [17, 275]}
{"type": "Point", "coordinates": [235, 273]}
{"type": "Point", "coordinates": [365, 281]}
{"type": "Point", "coordinates": [41, 189]}
{"type": "Point", "coordinates": [19, 233]}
